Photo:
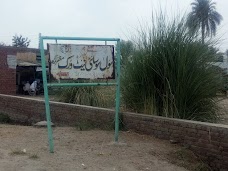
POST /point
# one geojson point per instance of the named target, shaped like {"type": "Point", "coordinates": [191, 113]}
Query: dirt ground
{"type": "Point", "coordinates": [24, 148]}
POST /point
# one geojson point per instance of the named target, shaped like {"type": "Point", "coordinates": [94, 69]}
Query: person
{"type": "Point", "coordinates": [26, 86]}
{"type": "Point", "coordinates": [33, 86]}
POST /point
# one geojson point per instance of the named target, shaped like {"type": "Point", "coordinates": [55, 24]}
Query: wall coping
{"type": "Point", "coordinates": [178, 120]}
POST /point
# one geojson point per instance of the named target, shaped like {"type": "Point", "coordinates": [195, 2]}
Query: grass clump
{"type": "Point", "coordinates": [4, 118]}
{"type": "Point", "coordinates": [171, 73]}
{"type": "Point", "coordinates": [33, 156]}
{"type": "Point", "coordinates": [18, 152]}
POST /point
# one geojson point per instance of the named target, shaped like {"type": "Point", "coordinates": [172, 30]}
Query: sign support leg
{"type": "Point", "coordinates": [47, 106]}
{"type": "Point", "coordinates": [117, 94]}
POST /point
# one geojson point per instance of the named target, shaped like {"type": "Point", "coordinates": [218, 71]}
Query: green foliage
{"type": "Point", "coordinates": [4, 118]}
{"type": "Point", "coordinates": [171, 73]}
{"type": "Point", "coordinates": [19, 41]}
{"type": "Point", "coordinates": [204, 17]}
{"type": "Point", "coordinates": [127, 49]}
{"type": "Point", "coordinates": [91, 96]}
{"type": "Point", "coordinates": [219, 55]}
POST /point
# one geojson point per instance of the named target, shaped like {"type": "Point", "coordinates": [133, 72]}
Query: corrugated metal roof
{"type": "Point", "coordinates": [27, 64]}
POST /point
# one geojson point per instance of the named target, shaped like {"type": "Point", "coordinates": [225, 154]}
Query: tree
{"type": "Point", "coordinates": [204, 18]}
{"type": "Point", "coordinates": [20, 41]}
{"type": "Point", "coordinates": [2, 44]}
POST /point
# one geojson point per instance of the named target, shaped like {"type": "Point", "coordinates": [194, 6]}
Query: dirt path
{"type": "Point", "coordinates": [81, 150]}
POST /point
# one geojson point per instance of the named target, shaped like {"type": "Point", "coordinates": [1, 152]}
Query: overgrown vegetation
{"type": "Point", "coordinates": [166, 71]}
{"type": "Point", "coordinates": [171, 73]}
{"type": "Point", "coordinates": [92, 96]}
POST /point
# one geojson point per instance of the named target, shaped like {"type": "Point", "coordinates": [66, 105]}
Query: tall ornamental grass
{"type": "Point", "coordinates": [171, 73]}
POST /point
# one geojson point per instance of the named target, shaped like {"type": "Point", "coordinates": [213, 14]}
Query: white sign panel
{"type": "Point", "coordinates": [11, 61]}
{"type": "Point", "coordinates": [69, 61]}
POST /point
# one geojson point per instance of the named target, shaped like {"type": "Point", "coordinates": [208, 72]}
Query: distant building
{"type": "Point", "coordinates": [17, 66]}
{"type": "Point", "coordinates": [222, 63]}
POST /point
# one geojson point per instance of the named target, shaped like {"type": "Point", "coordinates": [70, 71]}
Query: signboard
{"type": "Point", "coordinates": [70, 61]}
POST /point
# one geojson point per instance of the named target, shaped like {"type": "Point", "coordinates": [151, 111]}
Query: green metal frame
{"type": "Point", "coordinates": [46, 85]}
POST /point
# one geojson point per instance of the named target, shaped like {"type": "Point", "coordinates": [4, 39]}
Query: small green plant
{"type": "Point", "coordinates": [4, 118]}
{"type": "Point", "coordinates": [33, 156]}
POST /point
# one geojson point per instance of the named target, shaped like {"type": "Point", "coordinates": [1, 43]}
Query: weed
{"type": "Point", "coordinates": [33, 156]}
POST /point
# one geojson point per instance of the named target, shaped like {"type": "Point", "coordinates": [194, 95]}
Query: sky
{"type": "Point", "coordinates": [90, 18]}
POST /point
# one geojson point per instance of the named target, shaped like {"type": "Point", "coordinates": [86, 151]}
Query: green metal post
{"type": "Point", "coordinates": [117, 93]}
{"type": "Point", "coordinates": [47, 106]}
{"type": "Point", "coordinates": [79, 38]}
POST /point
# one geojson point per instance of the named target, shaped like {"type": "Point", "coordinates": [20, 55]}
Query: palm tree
{"type": "Point", "coordinates": [203, 17]}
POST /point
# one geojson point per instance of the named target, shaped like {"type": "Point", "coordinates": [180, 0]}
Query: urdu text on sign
{"type": "Point", "coordinates": [70, 61]}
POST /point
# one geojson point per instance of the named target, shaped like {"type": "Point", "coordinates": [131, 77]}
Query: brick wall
{"type": "Point", "coordinates": [27, 110]}
{"type": "Point", "coordinates": [209, 141]}
{"type": "Point", "coordinates": [7, 75]}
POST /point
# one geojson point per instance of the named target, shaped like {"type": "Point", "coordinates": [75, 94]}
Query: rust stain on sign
{"type": "Point", "coordinates": [69, 61]}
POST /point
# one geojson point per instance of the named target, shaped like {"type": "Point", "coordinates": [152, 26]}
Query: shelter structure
{"type": "Point", "coordinates": [18, 66]}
